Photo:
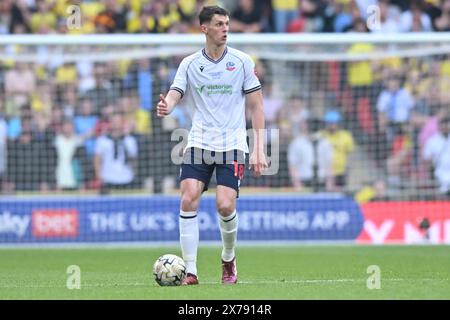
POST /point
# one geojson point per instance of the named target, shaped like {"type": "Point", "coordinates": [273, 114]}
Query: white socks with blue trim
{"type": "Point", "coordinates": [228, 231]}
{"type": "Point", "coordinates": [189, 238]}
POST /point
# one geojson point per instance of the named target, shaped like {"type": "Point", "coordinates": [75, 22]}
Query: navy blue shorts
{"type": "Point", "coordinates": [199, 164]}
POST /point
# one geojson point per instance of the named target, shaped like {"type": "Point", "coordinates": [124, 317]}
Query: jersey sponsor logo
{"type": "Point", "coordinates": [216, 75]}
{"type": "Point", "coordinates": [200, 89]}
{"type": "Point", "coordinates": [230, 66]}
{"type": "Point", "coordinates": [55, 223]}
{"type": "Point", "coordinates": [213, 89]}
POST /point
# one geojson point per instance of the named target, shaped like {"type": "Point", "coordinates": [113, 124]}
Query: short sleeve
{"type": "Point", "coordinates": [292, 154]}
{"type": "Point", "coordinates": [430, 146]}
{"type": "Point", "coordinates": [131, 145]}
{"type": "Point", "coordinates": [251, 81]}
{"type": "Point", "coordinates": [349, 142]}
{"type": "Point", "coordinates": [99, 146]}
{"type": "Point", "coordinates": [180, 81]}
{"type": "Point", "coordinates": [382, 102]}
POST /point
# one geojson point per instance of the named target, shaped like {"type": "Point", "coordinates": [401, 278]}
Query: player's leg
{"type": "Point", "coordinates": [228, 182]}
{"type": "Point", "coordinates": [191, 190]}
{"type": "Point", "coordinates": [226, 207]}
{"type": "Point", "coordinates": [194, 178]}
{"type": "Point", "coordinates": [228, 222]}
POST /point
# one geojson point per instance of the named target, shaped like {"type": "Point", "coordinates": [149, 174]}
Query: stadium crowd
{"type": "Point", "coordinates": [179, 16]}
{"type": "Point", "coordinates": [90, 125]}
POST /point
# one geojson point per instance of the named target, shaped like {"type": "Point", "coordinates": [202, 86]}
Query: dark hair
{"type": "Point", "coordinates": [208, 12]}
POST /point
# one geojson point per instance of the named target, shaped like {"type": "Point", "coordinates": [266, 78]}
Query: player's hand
{"type": "Point", "coordinates": [162, 109]}
{"type": "Point", "coordinates": [258, 162]}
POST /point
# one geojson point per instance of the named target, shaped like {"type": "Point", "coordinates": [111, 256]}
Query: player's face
{"type": "Point", "coordinates": [217, 29]}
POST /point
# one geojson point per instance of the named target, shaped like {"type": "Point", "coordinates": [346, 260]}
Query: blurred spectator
{"type": "Point", "coordinates": [43, 20]}
{"type": "Point", "coordinates": [389, 18]}
{"type": "Point", "coordinates": [375, 191]}
{"type": "Point", "coordinates": [415, 19]}
{"type": "Point", "coordinates": [41, 98]}
{"type": "Point", "coordinates": [310, 161]}
{"type": "Point", "coordinates": [338, 16]}
{"type": "Point", "coordinates": [177, 16]}
{"type": "Point", "coordinates": [56, 120]}
{"type": "Point", "coordinates": [15, 124]}
{"type": "Point", "coordinates": [103, 123]}
{"type": "Point", "coordinates": [431, 123]}
{"type": "Point", "coordinates": [157, 17]}
{"type": "Point", "coordinates": [437, 150]}
{"type": "Point", "coordinates": [442, 21]}
{"type": "Point", "coordinates": [102, 93]}
{"type": "Point", "coordinates": [394, 106]}
{"type": "Point", "coordinates": [361, 81]}
{"type": "Point", "coordinates": [66, 74]}
{"type": "Point", "coordinates": [361, 7]}
{"type": "Point", "coordinates": [311, 16]}
{"type": "Point", "coordinates": [3, 146]}
{"type": "Point", "coordinates": [115, 157]}
{"type": "Point", "coordinates": [69, 100]}
{"type": "Point", "coordinates": [272, 104]}
{"type": "Point", "coordinates": [246, 17]}
{"type": "Point", "coordinates": [137, 120]}
{"type": "Point", "coordinates": [5, 16]}
{"type": "Point", "coordinates": [419, 84]}
{"type": "Point", "coordinates": [183, 116]}
{"type": "Point", "coordinates": [20, 17]}
{"type": "Point", "coordinates": [20, 83]}
{"type": "Point", "coordinates": [425, 116]}
{"type": "Point", "coordinates": [22, 170]}
{"type": "Point", "coordinates": [45, 161]}
{"type": "Point", "coordinates": [112, 19]}
{"type": "Point", "coordinates": [291, 116]}
{"type": "Point", "coordinates": [342, 142]}
{"type": "Point", "coordinates": [433, 8]}
{"type": "Point", "coordinates": [145, 84]}
{"type": "Point", "coordinates": [85, 122]}
{"type": "Point", "coordinates": [68, 169]}
{"type": "Point", "coordinates": [284, 12]}
{"type": "Point", "coordinates": [399, 160]}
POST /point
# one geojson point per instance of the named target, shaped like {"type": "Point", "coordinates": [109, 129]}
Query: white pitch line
{"type": "Point", "coordinates": [254, 282]}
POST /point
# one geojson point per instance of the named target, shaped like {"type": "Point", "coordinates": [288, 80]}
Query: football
{"type": "Point", "coordinates": [169, 270]}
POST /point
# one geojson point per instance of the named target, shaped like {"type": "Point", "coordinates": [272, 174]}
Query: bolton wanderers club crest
{"type": "Point", "coordinates": [230, 66]}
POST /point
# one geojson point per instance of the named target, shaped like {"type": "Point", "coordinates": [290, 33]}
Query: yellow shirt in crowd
{"type": "Point", "coordinates": [360, 72]}
{"type": "Point", "coordinates": [285, 4]}
{"type": "Point", "coordinates": [42, 20]}
{"type": "Point", "coordinates": [343, 145]}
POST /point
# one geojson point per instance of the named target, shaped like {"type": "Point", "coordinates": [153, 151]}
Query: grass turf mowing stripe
{"type": "Point", "coordinates": [292, 272]}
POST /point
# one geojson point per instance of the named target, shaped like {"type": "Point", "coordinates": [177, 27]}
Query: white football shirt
{"type": "Point", "coordinates": [215, 91]}
{"type": "Point", "coordinates": [115, 169]}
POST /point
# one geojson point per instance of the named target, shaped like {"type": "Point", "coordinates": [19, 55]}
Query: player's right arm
{"type": "Point", "coordinates": [167, 104]}
{"type": "Point", "coordinates": [176, 92]}
{"type": "Point", "coordinates": [98, 160]}
{"type": "Point", "coordinates": [98, 167]}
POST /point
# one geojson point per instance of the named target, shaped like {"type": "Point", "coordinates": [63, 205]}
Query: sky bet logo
{"type": "Point", "coordinates": [230, 66]}
{"type": "Point", "coordinates": [55, 223]}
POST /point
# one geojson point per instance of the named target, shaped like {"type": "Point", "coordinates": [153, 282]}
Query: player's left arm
{"type": "Point", "coordinates": [254, 102]}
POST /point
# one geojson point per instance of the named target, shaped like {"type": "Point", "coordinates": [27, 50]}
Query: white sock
{"type": "Point", "coordinates": [189, 238]}
{"type": "Point", "coordinates": [228, 230]}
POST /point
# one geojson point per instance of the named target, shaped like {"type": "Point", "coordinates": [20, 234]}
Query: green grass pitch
{"type": "Point", "coordinates": [280, 272]}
